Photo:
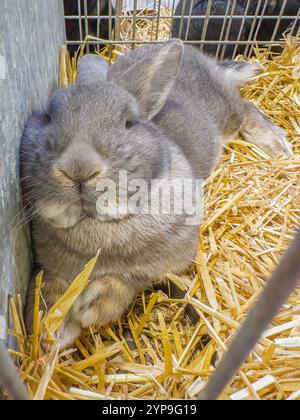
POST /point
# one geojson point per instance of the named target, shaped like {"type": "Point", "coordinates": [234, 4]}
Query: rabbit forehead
{"type": "Point", "coordinates": [104, 101]}
{"type": "Point", "coordinates": [90, 106]}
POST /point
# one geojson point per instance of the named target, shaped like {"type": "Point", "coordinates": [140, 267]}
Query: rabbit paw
{"type": "Point", "coordinates": [102, 303]}
{"type": "Point", "coordinates": [68, 333]}
{"type": "Point", "coordinates": [272, 140]}
{"type": "Point", "coordinates": [65, 336]}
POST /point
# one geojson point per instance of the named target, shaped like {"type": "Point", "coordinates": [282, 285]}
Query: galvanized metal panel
{"type": "Point", "coordinates": [31, 33]}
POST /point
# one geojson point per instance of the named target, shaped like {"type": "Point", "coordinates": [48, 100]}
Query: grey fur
{"type": "Point", "coordinates": [181, 106]}
{"type": "Point", "coordinates": [92, 68]}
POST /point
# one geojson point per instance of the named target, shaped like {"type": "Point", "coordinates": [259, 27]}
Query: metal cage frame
{"type": "Point", "coordinates": [255, 21]}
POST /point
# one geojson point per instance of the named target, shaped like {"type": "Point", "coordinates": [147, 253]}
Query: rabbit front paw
{"type": "Point", "coordinates": [68, 333]}
{"type": "Point", "coordinates": [103, 302]}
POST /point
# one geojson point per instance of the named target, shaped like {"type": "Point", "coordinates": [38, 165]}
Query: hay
{"type": "Point", "coordinates": [149, 27]}
{"type": "Point", "coordinates": [155, 352]}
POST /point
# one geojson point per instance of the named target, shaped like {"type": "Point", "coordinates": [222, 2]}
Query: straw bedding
{"type": "Point", "coordinates": [252, 206]}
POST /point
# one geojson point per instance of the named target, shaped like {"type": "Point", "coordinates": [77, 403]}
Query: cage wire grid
{"type": "Point", "coordinates": [257, 14]}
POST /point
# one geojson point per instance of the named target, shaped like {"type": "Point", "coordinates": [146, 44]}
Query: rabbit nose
{"type": "Point", "coordinates": [90, 179]}
{"type": "Point", "coordinates": [79, 165]}
{"type": "Point", "coordinates": [80, 177]}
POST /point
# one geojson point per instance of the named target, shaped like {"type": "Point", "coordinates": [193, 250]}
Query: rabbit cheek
{"type": "Point", "coordinates": [61, 216]}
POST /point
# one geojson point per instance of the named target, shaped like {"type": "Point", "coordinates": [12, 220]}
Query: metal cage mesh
{"type": "Point", "coordinates": [223, 28]}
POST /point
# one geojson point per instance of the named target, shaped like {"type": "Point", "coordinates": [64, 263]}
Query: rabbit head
{"type": "Point", "coordinates": [93, 131]}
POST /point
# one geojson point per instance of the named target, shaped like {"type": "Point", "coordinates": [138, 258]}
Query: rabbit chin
{"type": "Point", "coordinates": [66, 216]}
{"type": "Point", "coordinates": [61, 215]}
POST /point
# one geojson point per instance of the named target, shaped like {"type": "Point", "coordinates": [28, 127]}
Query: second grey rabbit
{"type": "Point", "coordinates": [242, 29]}
{"type": "Point", "coordinates": [160, 112]}
{"type": "Point", "coordinates": [96, 23]}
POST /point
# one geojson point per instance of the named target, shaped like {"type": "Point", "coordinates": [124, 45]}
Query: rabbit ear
{"type": "Point", "coordinates": [92, 68]}
{"type": "Point", "coordinates": [157, 77]}
{"type": "Point", "coordinates": [35, 124]}
{"type": "Point", "coordinates": [241, 73]}
{"type": "Point", "coordinates": [58, 103]}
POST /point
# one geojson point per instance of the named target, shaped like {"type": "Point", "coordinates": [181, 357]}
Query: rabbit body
{"type": "Point", "coordinates": [160, 112]}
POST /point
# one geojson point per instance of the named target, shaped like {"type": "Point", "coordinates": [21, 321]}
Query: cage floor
{"type": "Point", "coordinates": [252, 206]}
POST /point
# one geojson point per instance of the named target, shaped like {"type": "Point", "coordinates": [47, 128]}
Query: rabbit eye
{"type": "Point", "coordinates": [130, 123]}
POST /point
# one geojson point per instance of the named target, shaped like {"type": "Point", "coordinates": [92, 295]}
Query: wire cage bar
{"type": "Point", "coordinates": [224, 28]}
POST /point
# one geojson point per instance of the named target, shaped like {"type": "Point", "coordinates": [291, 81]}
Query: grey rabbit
{"type": "Point", "coordinates": [160, 112]}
